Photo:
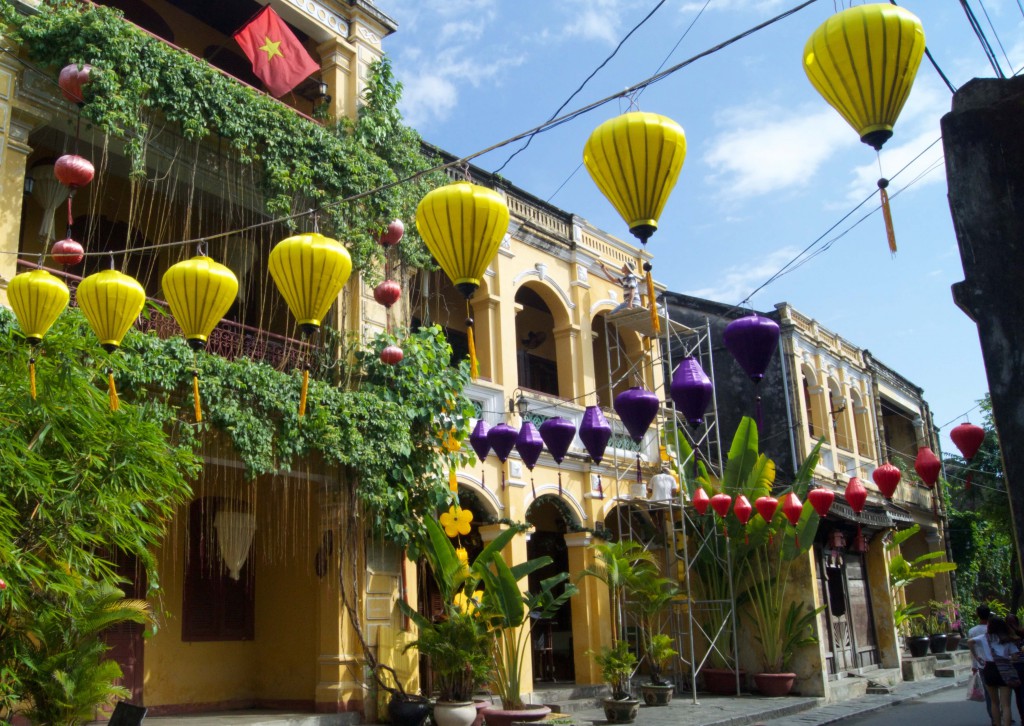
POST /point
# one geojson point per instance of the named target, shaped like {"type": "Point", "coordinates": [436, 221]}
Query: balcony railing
{"type": "Point", "coordinates": [229, 339]}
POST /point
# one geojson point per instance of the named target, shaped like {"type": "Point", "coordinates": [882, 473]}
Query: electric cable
{"type": "Point", "coordinates": [980, 33]}
{"type": "Point", "coordinates": [995, 33]}
{"type": "Point", "coordinates": [586, 80]}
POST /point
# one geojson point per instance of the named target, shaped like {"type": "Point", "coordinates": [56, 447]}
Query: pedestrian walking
{"type": "Point", "coordinates": [999, 652]}
{"type": "Point", "coordinates": [977, 663]}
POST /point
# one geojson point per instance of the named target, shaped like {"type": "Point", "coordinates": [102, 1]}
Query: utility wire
{"type": "Point", "coordinates": [995, 33]}
{"type": "Point", "coordinates": [586, 80]}
{"type": "Point", "coordinates": [985, 45]}
{"type": "Point", "coordinates": [935, 65]}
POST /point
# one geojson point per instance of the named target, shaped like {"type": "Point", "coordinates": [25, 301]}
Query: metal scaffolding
{"type": "Point", "coordinates": [701, 622]}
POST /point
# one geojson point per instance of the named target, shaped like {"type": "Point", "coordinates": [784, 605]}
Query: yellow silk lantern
{"type": "Point", "coordinates": [635, 160]}
{"type": "Point", "coordinates": [462, 225]}
{"type": "Point", "coordinates": [37, 298]}
{"type": "Point", "coordinates": [199, 291]}
{"type": "Point", "coordinates": [863, 61]}
{"type": "Point", "coordinates": [111, 302]}
{"type": "Point", "coordinates": [309, 271]}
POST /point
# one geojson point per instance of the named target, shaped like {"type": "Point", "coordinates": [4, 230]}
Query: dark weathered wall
{"type": "Point", "coordinates": [983, 137]}
{"type": "Point", "coordinates": [734, 390]}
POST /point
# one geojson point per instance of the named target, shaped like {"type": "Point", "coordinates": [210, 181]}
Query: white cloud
{"type": "Point", "coordinates": [431, 92]}
{"type": "Point", "coordinates": [763, 149]}
{"type": "Point", "coordinates": [736, 282]}
{"type": "Point", "coordinates": [740, 5]}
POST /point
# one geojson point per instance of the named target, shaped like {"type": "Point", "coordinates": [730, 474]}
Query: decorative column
{"type": "Point", "coordinates": [589, 611]}
{"type": "Point", "coordinates": [337, 60]}
{"type": "Point", "coordinates": [14, 151]}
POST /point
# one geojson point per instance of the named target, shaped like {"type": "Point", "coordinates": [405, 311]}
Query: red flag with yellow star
{"type": "Point", "coordinates": [278, 58]}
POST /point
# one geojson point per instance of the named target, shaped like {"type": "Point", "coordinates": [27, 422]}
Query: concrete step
{"type": "Point", "coordinates": [570, 698]}
{"type": "Point", "coordinates": [857, 684]}
{"type": "Point", "coordinates": [916, 669]}
{"type": "Point", "coordinates": [959, 670]}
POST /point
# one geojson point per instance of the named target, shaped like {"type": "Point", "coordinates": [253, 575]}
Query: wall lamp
{"type": "Point", "coordinates": [518, 403]}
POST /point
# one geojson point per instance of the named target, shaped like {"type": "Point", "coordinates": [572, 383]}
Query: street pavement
{"type": "Point", "coordinates": [751, 710]}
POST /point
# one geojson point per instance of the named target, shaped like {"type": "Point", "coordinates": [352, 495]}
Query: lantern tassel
{"type": "Point", "coordinates": [600, 489]}
{"type": "Point", "coordinates": [115, 402]}
{"type": "Point", "coordinates": [195, 396]}
{"type": "Point", "coordinates": [474, 368]}
{"type": "Point", "coordinates": [890, 232]}
{"type": "Point", "coordinates": [32, 380]}
{"type": "Point", "coordinates": [655, 323]}
{"type": "Point", "coordinates": [559, 483]}
{"type": "Point", "coordinates": [305, 392]}
{"type": "Point", "coordinates": [503, 476]}
{"type": "Point", "coordinates": [532, 487]}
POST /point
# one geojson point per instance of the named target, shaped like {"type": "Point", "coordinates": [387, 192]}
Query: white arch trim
{"type": "Point", "coordinates": [569, 304]}
{"type": "Point", "coordinates": [477, 487]}
{"type": "Point", "coordinates": [566, 497]}
{"type": "Point", "coordinates": [602, 306]}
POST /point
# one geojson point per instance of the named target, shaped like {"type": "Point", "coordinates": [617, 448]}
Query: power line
{"type": "Point", "coordinates": [935, 65]}
{"type": "Point", "coordinates": [980, 33]}
{"type": "Point", "coordinates": [586, 80]}
{"type": "Point", "coordinates": [995, 33]}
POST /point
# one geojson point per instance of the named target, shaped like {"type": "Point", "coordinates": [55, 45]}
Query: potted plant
{"type": "Point", "coordinates": [918, 641]}
{"type": "Point", "coordinates": [508, 614]}
{"type": "Point", "coordinates": [762, 553]}
{"type": "Point", "coordinates": [647, 598]}
{"type": "Point", "coordinates": [617, 664]}
{"type": "Point", "coordinates": [936, 632]}
{"type": "Point", "coordinates": [948, 616]}
{"type": "Point", "coordinates": [620, 565]}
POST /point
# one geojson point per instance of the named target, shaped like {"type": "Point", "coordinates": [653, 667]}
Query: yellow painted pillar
{"type": "Point", "coordinates": [14, 151]}
{"type": "Point", "coordinates": [587, 631]}
{"type": "Point", "coordinates": [882, 604]}
{"type": "Point", "coordinates": [337, 62]}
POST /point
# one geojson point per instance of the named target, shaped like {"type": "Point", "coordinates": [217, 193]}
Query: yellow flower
{"type": "Point", "coordinates": [468, 604]}
{"type": "Point", "coordinates": [463, 556]}
{"type": "Point", "coordinates": [456, 521]}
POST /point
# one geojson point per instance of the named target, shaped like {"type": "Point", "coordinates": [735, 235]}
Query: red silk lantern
{"type": "Point", "coordinates": [701, 500]}
{"type": "Point", "coordinates": [392, 235]}
{"type": "Point", "coordinates": [67, 252]}
{"type": "Point", "coordinates": [856, 494]}
{"type": "Point", "coordinates": [887, 478]}
{"type": "Point", "coordinates": [821, 499]}
{"type": "Point", "coordinates": [392, 355]}
{"type": "Point", "coordinates": [968, 438]}
{"type": "Point", "coordinates": [927, 466]}
{"type": "Point", "coordinates": [71, 80]}
{"type": "Point", "coordinates": [387, 293]}
{"type": "Point", "coordinates": [742, 509]}
{"type": "Point", "coordinates": [792, 508]}
{"type": "Point", "coordinates": [720, 503]}
{"type": "Point", "coordinates": [73, 171]}
{"type": "Point", "coordinates": [766, 507]}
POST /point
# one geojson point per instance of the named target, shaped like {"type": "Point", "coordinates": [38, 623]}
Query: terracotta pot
{"type": "Point", "coordinates": [656, 694]}
{"type": "Point", "coordinates": [774, 684]}
{"type": "Point", "coordinates": [918, 646]}
{"type": "Point", "coordinates": [408, 711]}
{"type": "Point", "coordinates": [503, 717]}
{"type": "Point", "coordinates": [624, 711]}
{"type": "Point", "coordinates": [722, 681]}
{"type": "Point", "coordinates": [450, 713]}
{"type": "Point", "coordinates": [937, 643]}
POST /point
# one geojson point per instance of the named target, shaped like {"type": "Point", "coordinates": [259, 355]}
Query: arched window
{"type": "Point", "coordinates": [838, 408]}
{"type": "Point", "coordinates": [814, 408]}
{"type": "Point", "coordinates": [861, 425]}
{"type": "Point", "coordinates": [617, 358]}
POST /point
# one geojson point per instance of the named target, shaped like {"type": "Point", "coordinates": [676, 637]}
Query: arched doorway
{"type": "Point", "coordinates": [552, 638]}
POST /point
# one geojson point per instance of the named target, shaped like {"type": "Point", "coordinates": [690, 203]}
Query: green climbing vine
{"type": "Point", "coordinates": [139, 81]}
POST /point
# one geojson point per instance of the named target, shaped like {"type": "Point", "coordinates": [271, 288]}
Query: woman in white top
{"type": "Point", "coordinates": [997, 642]}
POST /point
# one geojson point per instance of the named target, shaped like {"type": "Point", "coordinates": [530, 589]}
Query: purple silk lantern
{"type": "Point", "coordinates": [595, 432]}
{"type": "Point", "coordinates": [752, 340]}
{"type": "Point", "coordinates": [558, 434]}
{"type": "Point", "coordinates": [637, 408]}
{"type": "Point", "coordinates": [478, 440]}
{"type": "Point", "coordinates": [502, 439]}
{"type": "Point", "coordinates": [529, 444]}
{"type": "Point", "coordinates": [691, 390]}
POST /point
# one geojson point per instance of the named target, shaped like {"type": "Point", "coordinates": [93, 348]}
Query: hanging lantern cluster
{"type": "Point", "coordinates": [388, 291]}
{"type": "Point", "coordinates": [766, 507]}
{"type": "Point", "coordinates": [309, 271]}
{"type": "Point", "coordinates": [73, 172]}
{"type": "Point", "coordinates": [635, 160]}
{"type": "Point", "coordinates": [199, 292]}
{"type": "Point", "coordinates": [555, 433]}
{"type": "Point", "coordinates": [863, 61]}
{"type": "Point", "coordinates": [462, 225]}
{"type": "Point", "coordinates": [968, 438]}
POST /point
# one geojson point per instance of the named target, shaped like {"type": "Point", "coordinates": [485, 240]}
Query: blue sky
{"type": "Point", "coordinates": [770, 166]}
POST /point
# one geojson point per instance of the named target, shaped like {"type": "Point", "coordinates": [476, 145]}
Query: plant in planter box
{"type": "Point", "coordinates": [617, 664]}
{"type": "Point", "coordinates": [763, 552]}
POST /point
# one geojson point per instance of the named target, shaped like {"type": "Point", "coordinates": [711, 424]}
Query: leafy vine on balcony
{"type": "Point", "coordinates": [139, 80]}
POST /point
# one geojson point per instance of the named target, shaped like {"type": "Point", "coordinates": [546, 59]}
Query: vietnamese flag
{"type": "Point", "coordinates": [278, 58]}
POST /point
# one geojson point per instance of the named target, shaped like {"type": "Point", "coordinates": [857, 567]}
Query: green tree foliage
{"type": "Point", "coordinates": [980, 524]}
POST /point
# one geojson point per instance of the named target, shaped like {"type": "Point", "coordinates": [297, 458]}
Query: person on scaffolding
{"type": "Point", "coordinates": [629, 281]}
